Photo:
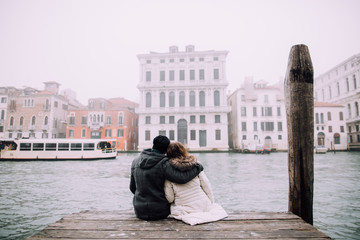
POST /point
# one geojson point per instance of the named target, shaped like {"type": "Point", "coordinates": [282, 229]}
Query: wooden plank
{"type": "Point", "coordinates": [44, 238]}
{"type": "Point", "coordinates": [123, 225]}
{"type": "Point", "coordinates": [177, 225]}
{"type": "Point", "coordinates": [140, 234]}
{"type": "Point", "coordinates": [129, 215]}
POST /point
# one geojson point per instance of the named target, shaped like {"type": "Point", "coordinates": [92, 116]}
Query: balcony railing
{"type": "Point", "coordinates": [163, 110]}
{"type": "Point", "coordinates": [96, 125]}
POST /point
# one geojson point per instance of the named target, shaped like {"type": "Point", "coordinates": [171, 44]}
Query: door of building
{"type": "Point", "coordinates": [202, 138]}
{"type": "Point", "coordinates": [321, 139]}
{"type": "Point", "coordinates": [182, 131]}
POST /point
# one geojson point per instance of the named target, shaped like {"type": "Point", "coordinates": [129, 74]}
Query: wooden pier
{"type": "Point", "coordinates": [124, 225]}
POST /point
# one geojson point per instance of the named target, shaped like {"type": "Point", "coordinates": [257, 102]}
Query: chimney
{"type": "Point", "coordinates": [174, 49]}
{"type": "Point", "coordinates": [52, 87]}
{"type": "Point", "coordinates": [190, 48]}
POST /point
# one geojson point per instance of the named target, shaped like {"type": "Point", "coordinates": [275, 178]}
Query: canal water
{"type": "Point", "coordinates": [34, 194]}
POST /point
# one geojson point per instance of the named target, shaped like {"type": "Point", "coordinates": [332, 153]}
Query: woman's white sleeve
{"type": "Point", "coordinates": [169, 191]}
{"type": "Point", "coordinates": [206, 186]}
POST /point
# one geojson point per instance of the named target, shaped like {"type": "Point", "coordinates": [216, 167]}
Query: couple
{"type": "Point", "coordinates": [172, 185]}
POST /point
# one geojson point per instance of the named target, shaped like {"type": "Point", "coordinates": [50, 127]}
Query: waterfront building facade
{"type": "Point", "coordinates": [4, 93]}
{"type": "Point", "coordinates": [106, 119]}
{"type": "Point", "coordinates": [32, 113]}
{"type": "Point", "coordinates": [257, 116]}
{"type": "Point", "coordinates": [330, 126]}
{"type": "Point", "coordinates": [183, 96]}
{"type": "Point", "coordinates": [341, 85]}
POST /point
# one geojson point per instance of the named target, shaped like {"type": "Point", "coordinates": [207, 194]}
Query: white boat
{"type": "Point", "coordinates": [56, 149]}
{"type": "Point", "coordinates": [320, 149]}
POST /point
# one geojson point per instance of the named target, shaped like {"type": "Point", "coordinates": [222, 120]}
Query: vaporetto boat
{"type": "Point", "coordinates": [56, 149]}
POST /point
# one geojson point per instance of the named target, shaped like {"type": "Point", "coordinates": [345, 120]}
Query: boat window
{"type": "Point", "coordinates": [38, 147]}
{"type": "Point", "coordinates": [63, 147]}
{"type": "Point", "coordinates": [25, 146]}
{"type": "Point", "coordinates": [50, 147]}
{"type": "Point", "coordinates": [89, 146]}
{"type": "Point", "coordinates": [76, 147]}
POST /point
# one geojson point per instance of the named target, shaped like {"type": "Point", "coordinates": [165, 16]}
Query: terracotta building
{"type": "Point", "coordinates": [36, 113]}
{"type": "Point", "coordinates": [107, 119]}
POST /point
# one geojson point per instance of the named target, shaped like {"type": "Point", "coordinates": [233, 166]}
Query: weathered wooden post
{"type": "Point", "coordinates": [299, 99]}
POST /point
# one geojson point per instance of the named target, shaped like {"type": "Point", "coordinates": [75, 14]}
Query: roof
{"type": "Point", "coordinates": [326, 104]}
{"type": "Point", "coordinates": [123, 101]}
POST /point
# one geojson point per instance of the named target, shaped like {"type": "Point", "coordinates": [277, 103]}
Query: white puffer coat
{"type": "Point", "coordinates": [192, 202]}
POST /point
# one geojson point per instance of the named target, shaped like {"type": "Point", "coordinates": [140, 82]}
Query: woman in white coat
{"type": "Point", "coordinates": [192, 202]}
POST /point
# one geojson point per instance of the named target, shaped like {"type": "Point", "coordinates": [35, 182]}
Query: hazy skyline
{"type": "Point", "coordinates": [91, 46]}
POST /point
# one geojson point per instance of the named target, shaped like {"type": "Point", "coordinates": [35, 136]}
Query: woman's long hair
{"type": "Point", "coordinates": [176, 150]}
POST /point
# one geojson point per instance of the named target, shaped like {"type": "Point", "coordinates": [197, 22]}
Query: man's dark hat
{"type": "Point", "coordinates": [161, 143]}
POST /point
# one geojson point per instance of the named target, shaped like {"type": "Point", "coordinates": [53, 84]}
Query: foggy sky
{"type": "Point", "coordinates": [91, 46]}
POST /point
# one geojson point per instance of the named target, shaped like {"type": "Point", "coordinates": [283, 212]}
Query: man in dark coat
{"type": "Point", "coordinates": [148, 173]}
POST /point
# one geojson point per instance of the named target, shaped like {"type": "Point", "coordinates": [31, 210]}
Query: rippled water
{"type": "Point", "coordinates": [35, 194]}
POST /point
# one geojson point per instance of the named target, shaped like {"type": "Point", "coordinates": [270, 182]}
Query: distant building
{"type": "Point", "coordinates": [36, 114]}
{"type": "Point", "coordinates": [107, 119]}
{"type": "Point", "coordinates": [4, 99]}
{"type": "Point", "coordinates": [329, 126]}
{"type": "Point", "coordinates": [257, 116]}
{"type": "Point", "coordinates": [340, 85]}
{"type": "Point", "coordinates": [183, 96]}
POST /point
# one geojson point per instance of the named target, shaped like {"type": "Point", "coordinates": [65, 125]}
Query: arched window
{"type": "Point", "coordinates": [162, 99]}
{"type": "Point", "coordinates": [349, 110]}
{"type": "Point", "coordinates": [182, 99]}
{"type": "Point", "coordinates": [11, 121]}
{"type": "Point", "coordinates": [202, 99]}
{"type": "Point", "coordinates": [321, 139]}
{"type": "Point", "coordinates": [121, 118]}
{"type": "Point", "coordinates": [336, 138]}
{"type": "Point", "coordinates": [357, 108]}
{"type": "Point", "coordinates": [192, 99]}
{"type": "Point", "coordinates": [341, 116]}
{"type": "Point", "coordinates": [33, 120]}
{"type": "Point", "coordinates": [46, 120]}
{"type": "Point", "coordinates": [21, 123]}
{"type": "Point", "coordinates": [172, 99]}
{"type": "Point", "coordinates": [354, 79]}
{"type": "Point", "coordinates": [148, 99]}
{"type": "Point", "coordinates": [321, 118]}
{"type": "Point", "coordinates": [329, 116]}
{"type": "Point", "coordinates": [216, 98]}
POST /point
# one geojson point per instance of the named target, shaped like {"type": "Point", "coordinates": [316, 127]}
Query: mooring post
{"type": "Point", "coordinates": [299, 99]}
